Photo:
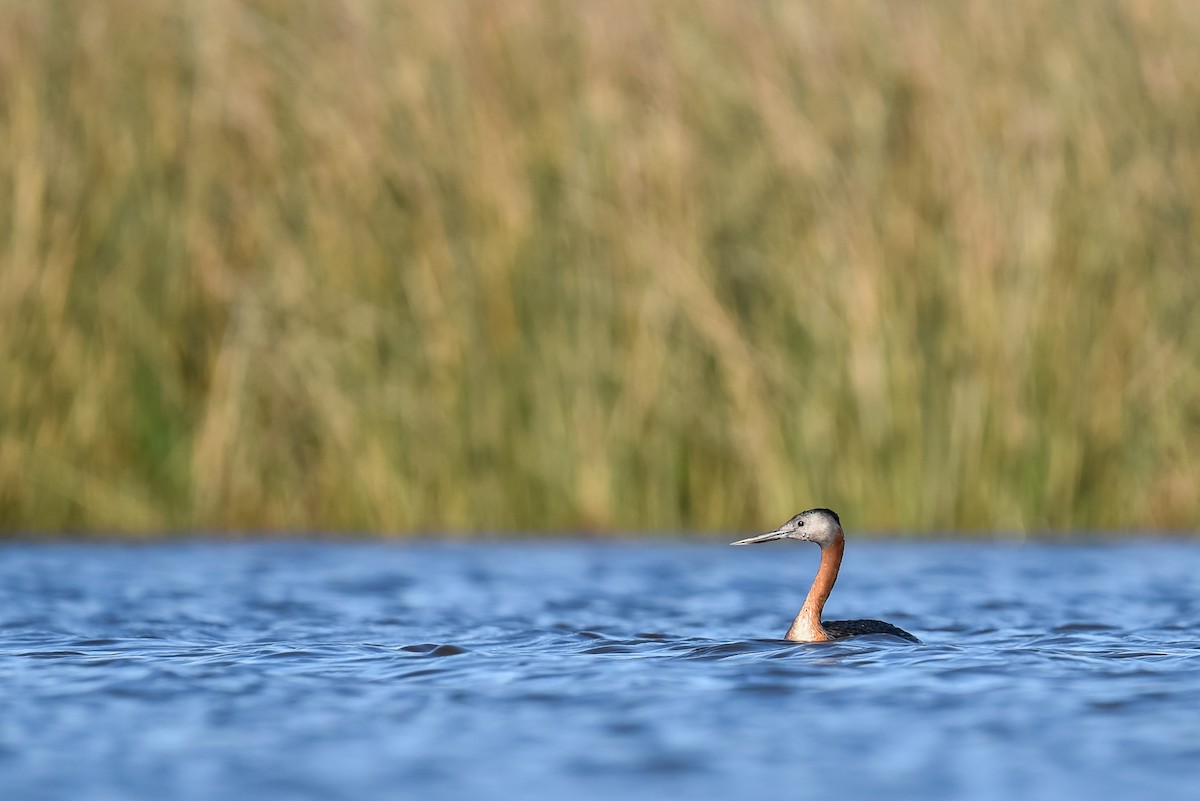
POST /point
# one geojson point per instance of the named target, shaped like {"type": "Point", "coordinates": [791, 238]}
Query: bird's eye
{"type": "Point", "coordinates": [801, 523]}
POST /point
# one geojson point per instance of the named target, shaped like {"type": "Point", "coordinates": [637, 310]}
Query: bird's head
{"type": "Point", "coordinates": [821, 526]}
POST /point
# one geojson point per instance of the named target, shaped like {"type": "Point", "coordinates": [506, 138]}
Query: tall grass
{"type": "Point", "coordinates": [401, 266]}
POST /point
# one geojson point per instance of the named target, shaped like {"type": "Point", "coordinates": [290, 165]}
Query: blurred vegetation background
{"type": "Point", "coordinates": [385, 266]}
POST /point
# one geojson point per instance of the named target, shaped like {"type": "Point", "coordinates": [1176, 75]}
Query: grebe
{"type": "Point", "coordinates": [823, 527]}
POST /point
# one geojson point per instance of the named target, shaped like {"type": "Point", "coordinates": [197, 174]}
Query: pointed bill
{"type": "Point", "coordinates": [777, 534]}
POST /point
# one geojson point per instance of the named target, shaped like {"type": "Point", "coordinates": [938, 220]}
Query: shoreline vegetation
{"type": "Point", "coordinates": [549, 266]}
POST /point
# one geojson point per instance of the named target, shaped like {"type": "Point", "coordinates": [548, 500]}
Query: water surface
{"type": "Point", "coordinates": [592, 671]}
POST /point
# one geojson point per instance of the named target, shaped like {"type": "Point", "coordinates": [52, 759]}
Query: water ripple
{"type": "Point", "coordinates": [585, 671]}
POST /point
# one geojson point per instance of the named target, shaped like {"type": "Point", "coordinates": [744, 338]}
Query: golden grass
{"type": "Point", "coordinates": [405, 266]}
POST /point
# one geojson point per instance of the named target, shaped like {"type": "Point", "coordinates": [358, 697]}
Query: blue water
{"type": "Point", "coordinates": [595, 671]}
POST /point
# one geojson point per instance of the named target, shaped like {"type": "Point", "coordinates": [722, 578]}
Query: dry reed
{"type": "Point", "coordinates": [405, 266]}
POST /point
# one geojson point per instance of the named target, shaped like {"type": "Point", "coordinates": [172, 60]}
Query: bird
{"type": "Point", "coordinates": [824, 527]}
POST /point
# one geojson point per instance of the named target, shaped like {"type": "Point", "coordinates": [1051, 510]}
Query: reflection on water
{"type": "Point", "coordinates": [356, 671]}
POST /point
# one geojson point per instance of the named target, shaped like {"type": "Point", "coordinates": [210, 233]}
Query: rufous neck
{"type": "Point", "coordinates": [807, 625]}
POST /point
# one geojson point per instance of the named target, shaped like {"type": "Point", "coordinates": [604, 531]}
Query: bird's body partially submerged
{"type": "Point", "coordinates": [823, 527]}
{"type": "Point", "coordinates": [841, 629]}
